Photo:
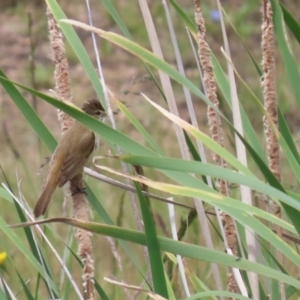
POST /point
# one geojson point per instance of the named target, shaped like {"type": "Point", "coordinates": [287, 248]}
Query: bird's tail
{"type": "Point", "coordinates": [46, 196]}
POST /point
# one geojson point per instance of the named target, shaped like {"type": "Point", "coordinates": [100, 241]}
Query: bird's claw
{"type": "Point", "coordinates": [80, 191]}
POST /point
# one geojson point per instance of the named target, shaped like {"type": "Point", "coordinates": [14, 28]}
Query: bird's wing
{"type": "Point", "coordinates": [77, 158]}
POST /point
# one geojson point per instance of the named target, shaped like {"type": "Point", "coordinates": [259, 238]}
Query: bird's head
{"type": "Point", "coordinates": [94, 108]}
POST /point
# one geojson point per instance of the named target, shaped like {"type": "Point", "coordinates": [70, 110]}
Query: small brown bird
{"type": "Point", "coordinates": [70, 156]}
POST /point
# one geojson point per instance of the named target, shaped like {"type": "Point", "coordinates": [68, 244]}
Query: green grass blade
{"type": "Point", "coordinates": [7, 295]}
{"type": "Point", "coordinates": [140, 128]}
{"type": "Point", "coordinates": [199, 285]}
{"type": "Point", "coordinates": [113, 136]}
{"type": "Point", "coordinates": [292, 213]}
{"type": "Point", "coordinates": [2, 293]}
{"type": "Point", "coordinates": [287, 136]}
{"type": "Point", "coordinates": [5, 195]}
{"type": "Point", "coordinates": [78, 48]}
{"type": "Point", "coordinates": [171, 295]}
{"type": "Point", "coordinates": [28, 113]}
{"type": "Point", "coordinates": [35, 248]}
{"type": "Point", "coordinates": [115, 15]}
{"type": "Point", "coordinates": [25, 287]}
{"type": "Point", "coordinates": [186, 20]}
{"type": "Point", "coordinates": [129, 145]}
{"type": "Point", "coordinates": [256, 65]}
{"type": "Point", "coordinates": [100, 291]}
{"type": "Point", "coordinates": [113, 12]}
{"type": "Point", "coordinates": [148, 57]}
{"type": "Point", "coordinates": [152, 59]}
{"type": "Point", "coordinates": [44, 135]}
{"type": "Point", "coordinates": [105, 131]}
{"type": "Point", "coordinates": [289, 154]}
{"type": "Point", "coordinates": [27, 253]}
{"type": "Point", "coordinates": [290, 62]}
{"type": "Point", "coordinates": [215, 172]}
{"type": "Point", "coordinates": [291, 291]}
{"type": "Point", "coordinates": [96, 204]}
{"type": "Point", "coordinates": [249, 131]}
{"type": "Point", "coordinates": [149, 138]}
{"type": "Point", "coordinates": [232, 208]}
{"type": "Point", "coordinates": [224, 85]}
{"type": "Point", "coordinates": [291, 23]}
{"type": "Point", "coordinates": [217, 294]}
{"type": "Point", "coordinates": [184, 249]}
{"type": "Point", "coordinates": [157, 270]}
{"type": "Point", "coordinates": [269, 176]}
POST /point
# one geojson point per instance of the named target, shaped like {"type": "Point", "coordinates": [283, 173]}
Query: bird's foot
{"type": "Point", "coordinates": [80, 191]}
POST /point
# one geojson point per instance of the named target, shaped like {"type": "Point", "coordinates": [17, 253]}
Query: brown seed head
{"type": "Point", "coordinates": [94, 108]}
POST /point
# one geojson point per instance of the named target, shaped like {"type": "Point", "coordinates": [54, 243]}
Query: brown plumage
{"type": "Point", "coordinates": [70, 156]}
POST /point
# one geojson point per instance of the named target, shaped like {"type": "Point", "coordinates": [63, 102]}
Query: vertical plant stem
{"type": "Point", "coordinates": [85, 249]}
{"type": "Point", "coordinates": [63, 90]}
{"type": "Point", "coordinates": [107, 96]}
{"type": "Point", "coordinates": [61, 72]}
{"type": "Point", "coordinates": [215, 125]}
{"type": "Point", "coordinates": [246, 195]}
{"type": "Point", "coordinates": [270, 102]}
{"type": "Point", "coordinates": [169, 93]}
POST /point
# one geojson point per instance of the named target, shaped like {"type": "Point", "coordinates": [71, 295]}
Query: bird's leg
{"type": "Point", "coordinates": [79, 191]}
{"type": "Point", "coordinates": [76, 185]}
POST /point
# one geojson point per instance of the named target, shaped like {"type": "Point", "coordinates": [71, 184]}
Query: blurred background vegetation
{"type": "Point", "coordinates": [24, 39]}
